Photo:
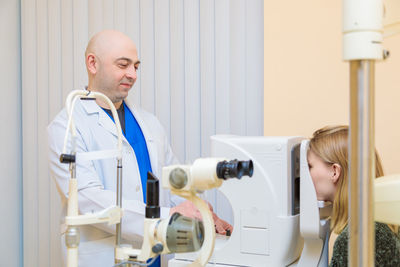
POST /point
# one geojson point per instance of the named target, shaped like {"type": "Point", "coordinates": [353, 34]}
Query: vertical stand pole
{"type": "Point", "coordinates": [362, 163]}
{"type": "Point", "coordinates": [118, 229]}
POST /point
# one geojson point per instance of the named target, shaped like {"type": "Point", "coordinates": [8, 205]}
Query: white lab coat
{"type": "Point", "coordinates": [97, 179]}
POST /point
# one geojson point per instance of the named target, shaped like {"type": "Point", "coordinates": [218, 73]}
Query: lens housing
{"type": "Point", "coordinates": [184, 234]}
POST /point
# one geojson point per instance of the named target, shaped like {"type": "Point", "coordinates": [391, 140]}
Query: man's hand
{"type": "Point", "coordinates": [188, 209]}
{"type": "Point", "coordinates": [221, 226]}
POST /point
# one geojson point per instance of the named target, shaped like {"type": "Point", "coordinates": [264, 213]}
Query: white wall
{"type": "Point", "coordinates": [10, 136]}
{"type": "Point", "coordinates": [201, 74]}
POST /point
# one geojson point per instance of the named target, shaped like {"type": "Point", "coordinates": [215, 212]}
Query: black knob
{"type": "Point", "coordinates": [67, 158]}
{"type": "Point", "coordinates": [157, 248]}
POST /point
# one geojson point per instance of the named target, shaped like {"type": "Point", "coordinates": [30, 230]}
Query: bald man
{"type": "Point", "coordinates": [112, 63]}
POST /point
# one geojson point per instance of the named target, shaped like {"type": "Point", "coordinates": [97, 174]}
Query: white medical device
{"type": "Point", "coordinates": [177, 233]}
{"type": "Point", "coordinates": [365, 24]}
{"type": "Point", "coordinates": [277, 220]}
{"type": "Point", "coordinates": [111, 215]}
{"type": "Point", "coordinates": [161, 236]}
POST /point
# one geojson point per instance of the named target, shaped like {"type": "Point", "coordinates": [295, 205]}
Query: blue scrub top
{"type": "Point", "coordinates": [133, 133]}
{"type": "Point", "coordinates": [135, 137]}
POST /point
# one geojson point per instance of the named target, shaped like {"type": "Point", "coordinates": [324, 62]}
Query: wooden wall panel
{"type": "Point", "coordinates": [40, 108]}
{"type": "Point", "coordinates": [192, 100]}
{"type": "Point", "coordinates": [238, 64]}
{"type": "Point", "coordinates": [11, 192]}
{"type": "Point", "coordinates": [162, 79]}
{"type": "Point", "coordinates": [222, 67]}
{"type": "Point", "coordinates": [177, 70]}
{"type": "Point", "coordinates": [208, 74]}
{"type": "Point", "coordinates": [29, 132]}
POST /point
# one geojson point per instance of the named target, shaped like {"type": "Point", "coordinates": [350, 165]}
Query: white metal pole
{"type": "Point", "coordinates": [362, 163]}
{"type": "Point", "coordinates": [362, 45]}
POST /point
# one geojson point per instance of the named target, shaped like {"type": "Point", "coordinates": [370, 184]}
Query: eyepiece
{"type": "Point", "coordinates": [247, 167]}
{"type": "Point", "coordinates": [234, 169]}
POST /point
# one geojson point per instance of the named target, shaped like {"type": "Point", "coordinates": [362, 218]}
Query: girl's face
{"type": "Point", "coordinates": [324, 176]}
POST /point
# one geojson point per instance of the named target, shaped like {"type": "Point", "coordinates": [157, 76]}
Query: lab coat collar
{"type": "Point", "coordinates": [91, 108]}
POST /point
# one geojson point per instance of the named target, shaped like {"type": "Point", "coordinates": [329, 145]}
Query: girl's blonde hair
{"type": "Point", "coordinates": [331, 145]}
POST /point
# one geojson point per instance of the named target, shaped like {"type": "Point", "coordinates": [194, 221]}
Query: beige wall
{"type": "Point", "coordinates": [306, 82]}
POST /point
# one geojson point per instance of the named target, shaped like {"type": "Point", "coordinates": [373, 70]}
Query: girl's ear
{"type": "Point", "coordinates": [336, 171]}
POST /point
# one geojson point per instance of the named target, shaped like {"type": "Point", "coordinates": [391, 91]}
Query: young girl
{"type": "Point", "coordinates": [328, 163]}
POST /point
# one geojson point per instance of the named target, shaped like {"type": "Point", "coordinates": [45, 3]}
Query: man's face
{"type": "Point", "coordinates": [117, 71]}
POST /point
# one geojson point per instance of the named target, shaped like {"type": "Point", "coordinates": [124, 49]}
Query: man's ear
{"type": "Point", "coordinates": [336, 171]}
{"type": "Point", "coordinates": [91, 63]}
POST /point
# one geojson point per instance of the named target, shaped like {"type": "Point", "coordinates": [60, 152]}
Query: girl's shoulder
{"type": "Point", "coordinates": [387, 247]}
{"type": "Point", "coordinates": [387, 244]}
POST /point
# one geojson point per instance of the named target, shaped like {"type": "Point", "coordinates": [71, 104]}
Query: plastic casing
{"type": "Point", "coordinates": [362, 29]}
{"type": "Point", "coordinates": [265, 231]}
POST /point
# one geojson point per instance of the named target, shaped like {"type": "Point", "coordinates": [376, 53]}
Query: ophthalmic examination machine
{"type": "Point", "coordinates": [174, 234]}
{"type": "Point", "coordinates": [276, 218]}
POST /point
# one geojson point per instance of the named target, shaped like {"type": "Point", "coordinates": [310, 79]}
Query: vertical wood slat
{"type": "Point", "coordinates": [55, 104]}
{"type": "Point", "coordinates": [11, 230]}
{"type": "Point", "coordinates": [192, 80]}
{"type": "Point", "coordinates": [147, 54]}
{"type": "Point", "coordinates": [29, 87]}
{"type": "Point", "coordinates": [222, 66]}
{"type": "Point", "coordinates": [133, 31]}
{"type": "Point", "coordinates": [41, 109]}
{"type": "Point", "coordinates": [119, 15]}
{"type": "Point", "coordinates": [108, 14]}
{"type": "Point", "coordinates": [55, 72]}
{"type": "Point", "coordinates": [207, 65]}
{"type": "Point", "coordinates": [67, 51]}
{"type": "Point", "coordinates": [177, 67]}
{"type": "Point", "coordinates": [95, 17]}
{"type": "Point", "coordinates": [161, 64]}
{"type": "Point", "coordinates": [80, 37]}
{"type": "Point", "coordinates": [254, 72]}
{"type": "Point", "coordinates": [238, 68]}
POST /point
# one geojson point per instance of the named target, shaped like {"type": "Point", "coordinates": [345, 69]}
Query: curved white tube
{"type": "Point", "coordinates": [209, 230]}
{"type": "Point", "coordinates": [70, 103]}
{"type": "Point", "coordinates": [72, 257]}
{"type": "Point", "coordinates": [72, 252]}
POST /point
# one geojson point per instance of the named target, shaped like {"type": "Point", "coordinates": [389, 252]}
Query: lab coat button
{"type": "Point", "coordinates": [137, 188]}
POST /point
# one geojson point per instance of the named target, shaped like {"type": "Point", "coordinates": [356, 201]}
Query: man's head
{"type": "Point", "coordinates": [111, 62]}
